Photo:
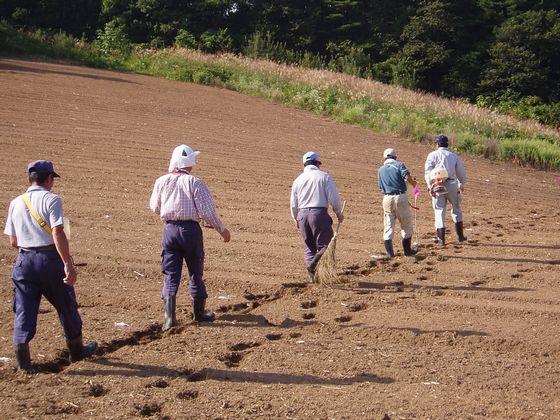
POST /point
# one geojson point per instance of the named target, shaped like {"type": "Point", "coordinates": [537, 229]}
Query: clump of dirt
{"type": "Point", "coordinates": [188, 394]}
{"type": "Point", "coordinates": [97, 390]}
{"type": "Point", "coordinates": [309, 304]}
{"type": "Point", "coordinates": [244, 346]}
{"type": "Point", "coordinates": [160, 383]}
{"type": "Point", "coordinates": [230, 359]}
{"type": "Point", "coordinates": [343, 318]}
{"type": "Point", "coordinates": [273, 336]}
{"type": "Point", "coordinates": [194, 375]}
{"type": "Point", "coordinates": [357, 306]}
{"type": "Point", "coordinates": [148, 409]}
{"type": "Point", "coordinates": [308, 316]}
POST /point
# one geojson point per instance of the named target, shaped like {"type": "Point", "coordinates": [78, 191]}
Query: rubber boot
{"type": "Point", "coordinates": [441, 236]}
{"type": "Point", "coordinates": [169, 307]}
{"type": "Point", "coordinates": [199, 314]}
{"type": "Point", "coordinates": [310, 275]}
{"type": "Point", "coordinates": [389, 248]}
{"type": "Point", "coordinates": [406, 244]}
{"type": "Point", "coordinates": [23, 358]}
{"type": "Point", "coordinates": [79, 351]}
{"type": "Point", "coordinates": [459, 230]}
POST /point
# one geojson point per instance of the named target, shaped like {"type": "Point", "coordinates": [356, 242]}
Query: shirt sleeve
{"type": "Point", "coordinates": [205, 206]}
{"type": "Point", "coordinates": [155, 199]}
{"type": "Point", "coordinates": [332, 195]}
{"type": "Point", "coordinates": [461, 172]}
{"type": "Point", "coordinates": [9, 229]}
{"type": "Point", "coordinates": [294, 201]}
{"type": "Point", "coordinates": [405, 173]}
{"type": "Point", "coordinates": [56, 215]}
{"type": "Point", "coordinates": [430, 164]}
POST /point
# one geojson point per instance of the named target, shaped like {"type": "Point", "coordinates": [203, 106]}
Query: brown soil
{"type": "Point", "coordinates": [468, 331]}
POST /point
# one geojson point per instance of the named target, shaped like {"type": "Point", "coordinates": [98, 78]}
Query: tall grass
{"type": "Point", "coordinates": [414, 115]}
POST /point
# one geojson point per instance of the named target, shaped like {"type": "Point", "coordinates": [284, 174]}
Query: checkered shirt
{"type": "Point", "coordinates": [182, 196]}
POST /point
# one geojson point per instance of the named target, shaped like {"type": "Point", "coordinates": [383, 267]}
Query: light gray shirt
{"type": "Point", "coordinates": [23, 225]}
{"type": "Point", "coordinates": [314, 188]}
{"type": "Point", "coordinates": [442, 157]}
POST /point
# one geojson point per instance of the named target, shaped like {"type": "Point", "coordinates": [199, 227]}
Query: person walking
{"type": "Point", "coordinates": [44, 266]}
{"type": "Point", "coordinates": [454, 186]}
{"type": "Point", "coordinates": [391, 178]}
{"type": "Point", "coordinates": [312, 192]}
{"type": "Point", "coordinates": [182, 200]}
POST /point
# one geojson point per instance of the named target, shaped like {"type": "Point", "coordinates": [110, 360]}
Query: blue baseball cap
{"type": "Point", "coordinates": [442, 140]}
{"type": "Point", "coordinates": [311, 156]}
{"type": "Point", "coordinates": [42, 167]}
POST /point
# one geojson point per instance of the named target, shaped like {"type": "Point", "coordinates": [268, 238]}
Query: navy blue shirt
{"type": "Point", "coordinates": [391, 177]}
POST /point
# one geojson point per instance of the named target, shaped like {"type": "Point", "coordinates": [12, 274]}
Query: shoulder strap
{"type": "Point", "coordinates": [41, 222]}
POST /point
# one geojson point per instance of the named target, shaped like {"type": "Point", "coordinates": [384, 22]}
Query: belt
{"type": "Point", "coordinates": [394, 193]}
{"type": "Point", "coordinates": [180, 222]}
{"type": "Point", "coordinates": [37, 248]}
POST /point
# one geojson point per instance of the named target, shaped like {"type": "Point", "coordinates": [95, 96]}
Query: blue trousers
{"type": "Point", "coordinates": [36, 274]}
{"type": "Point", "coordinates": [315, 226]}
{"type": "Point", "coordinates": [182, 240]}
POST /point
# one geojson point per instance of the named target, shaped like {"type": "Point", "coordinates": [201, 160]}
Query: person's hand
{"type": "Point", "coordinates": [226, 236]}
{"type": "Point", "coordinates": [340, 217]}
{"type": "Point", "coordinates": [416, 192]}
{"type": "Point", "coordinates": [71, 274]}
{"type": "Point", "coordinates": [462, 189]}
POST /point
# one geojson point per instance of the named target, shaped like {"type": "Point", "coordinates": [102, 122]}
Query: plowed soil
{"type": "Point", "coordinates": [468, 331]}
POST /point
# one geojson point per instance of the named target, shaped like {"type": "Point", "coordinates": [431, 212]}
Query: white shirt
{"type": "Point", "coordinates": [314, 188]}
{"type": "Point", "coordinates": [450, 161]}
{"type": "Point", "coordinates": [23, 225]}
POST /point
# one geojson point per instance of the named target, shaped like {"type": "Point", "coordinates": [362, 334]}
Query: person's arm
{"type": "Point", "coordinates": [411, 180]}
{"type": "Point", "coordinates": [294, 203]}
{"type": "Point", "coordinates": [334, 198]}
{"type": "Point", "coordinates": [9, 228]}
{"type": "Point", "coordinates": [13, 241]}
{"type": "Point", "coordinates": [155, 199]}
{"type": "Point", "coordinates": [461, 174]}
{"type": "Point", "coordinates": [406, 175]}
{"type": "Point", "coordinates": [207, 210]}
{"type": "Point", "coordinates": [63, 248]}
{"type": "Point", "coordinates": [429, 165]}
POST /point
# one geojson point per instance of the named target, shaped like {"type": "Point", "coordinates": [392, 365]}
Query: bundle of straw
{"type": "Point", "coordinates": [325, 272]}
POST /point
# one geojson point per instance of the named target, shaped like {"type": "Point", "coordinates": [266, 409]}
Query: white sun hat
{"type": "Point", "coordinates": [389, 152]}
{"type": "Point", "coordinates": [183, 157]}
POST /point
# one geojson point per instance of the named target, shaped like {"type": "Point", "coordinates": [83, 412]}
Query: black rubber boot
{"type": "Point", "coordinates": [406, 244]}
{"type": "Point", "coordinates": [441, 236]}
{"type": "Point", "coordinates": [169, 307]}
{"type": "Point", "coordinates": [79, 351]}
{"type": "Point", "coordinates": [389, 248]}
{"type": "Point", "coordinates": [23, 358]}
{"type": "Point", "coordinates": [199, 314]}
{"type": "Point", "coordinates": [459, 230]}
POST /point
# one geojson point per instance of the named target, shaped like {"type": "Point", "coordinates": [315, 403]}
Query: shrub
{"type": "Point", "coordinates": [185, 39]}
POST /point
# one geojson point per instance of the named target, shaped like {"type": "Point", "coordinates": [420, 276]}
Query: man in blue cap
{"type": "Point", "coordinates": [312, 192]}
{"type": "Point", "coordinates": [454, 185]}
{"type": "Point", "coordinates": [43, 266]}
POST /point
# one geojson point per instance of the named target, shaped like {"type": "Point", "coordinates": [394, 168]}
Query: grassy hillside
{"type": "Point", "coordinates": [366, 103]}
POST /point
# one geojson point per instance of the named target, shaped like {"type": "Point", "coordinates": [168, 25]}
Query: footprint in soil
{"type": "Point", "coordinates": [295, 335]}
{"type": "Point", "coordinates": [244, 346]}
{"type": "Point", "coordinates": [194, 375]}
{"type": "Point", "coordinates": [309, 304]}
{"type": "Point", "coordinates": [422, 278]}
{"type": "Point", "coordinates": [308, 316]}
{"type": "Point", "coordinates": [273, 336]}
{"type": "Point", "coordinates": [516, 275]}
{"type": "Point", "coordinates": [477, 282]}
{"type": "Point", "coordinates": [231, 359]}
{"type": "Point", "coordinates": [148, 409]}
{"type": "Point", "coordinates": [188, 394]}
{"type": "Point", "coordinates": [357, 306]}
{"type": "Point", "coordinates": [96, 390]}
{"type": "Point", "coordinates": [343, 318]}
{"type": "Point", "coordinates": [160, 383]}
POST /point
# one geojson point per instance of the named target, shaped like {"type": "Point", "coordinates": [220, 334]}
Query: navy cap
{"type": "Point", "coordinates": [310, 157]}
{"type": "Point", "coordinates": [42, 167]}
{"type": "Point", "coordinates": [442, 140]}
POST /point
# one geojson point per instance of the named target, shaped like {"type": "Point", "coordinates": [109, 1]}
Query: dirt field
{"type": "Point", "coordinates": [468, 331]}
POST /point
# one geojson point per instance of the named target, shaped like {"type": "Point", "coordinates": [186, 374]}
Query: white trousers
{"type": "Point", "coordinates": [396, 207]}
{"type": "Point", "coordinates": [440, 204]}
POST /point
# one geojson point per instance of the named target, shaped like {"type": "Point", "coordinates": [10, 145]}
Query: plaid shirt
{"type": "Point", "coordinates": [182, 196]}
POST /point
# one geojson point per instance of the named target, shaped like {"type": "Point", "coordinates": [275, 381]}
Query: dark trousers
{"type": "Point", "coordinates": [315, 226]}
{"type": "Point", "coordinates": [36, 274]}
{"type": "Point", "coordinates": [182, 240]}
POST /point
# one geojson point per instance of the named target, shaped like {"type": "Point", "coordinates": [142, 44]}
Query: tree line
{"type": "Point", "coordinates": [498, 53]}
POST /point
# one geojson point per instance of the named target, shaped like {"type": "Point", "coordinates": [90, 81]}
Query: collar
{"type": "Point", "coordinates": [310, 168]}
{"type": "Point", "coordinates": [387, 161]}
{"type": "Point", "coordinates": [36, 188]}
{"type": "Point", "coordinates": [179, 171]}
{"type": "Point", "coordinates": [442, 148]}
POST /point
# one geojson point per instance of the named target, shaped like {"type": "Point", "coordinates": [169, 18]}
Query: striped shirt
{"type": "Point", "coordinates": [182, 196]}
